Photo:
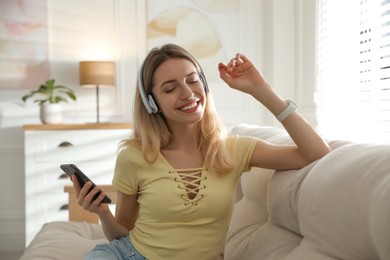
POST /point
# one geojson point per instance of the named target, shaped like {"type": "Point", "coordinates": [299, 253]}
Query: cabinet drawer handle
{"type": "Point", "coordinates": [65, 144]}
{"type": "Point", "coordinates": [63, 176]}
{"type": "Point", "coordinates": [64, 207]}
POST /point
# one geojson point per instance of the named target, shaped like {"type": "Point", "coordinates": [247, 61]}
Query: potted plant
{"type": "Point", "coordinates": [50, 97]}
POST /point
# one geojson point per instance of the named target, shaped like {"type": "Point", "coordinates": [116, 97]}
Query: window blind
{"type": "Point", "coordinates": [384, 64]}
{"type": "Point", "coordinates": [353, 69]}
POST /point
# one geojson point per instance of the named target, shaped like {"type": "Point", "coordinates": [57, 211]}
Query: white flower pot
{"type": "Point", "coordinates": [51, 113]}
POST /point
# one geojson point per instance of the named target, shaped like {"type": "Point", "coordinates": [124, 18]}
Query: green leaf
{"type": "Point", "coordinates": [49, 92]}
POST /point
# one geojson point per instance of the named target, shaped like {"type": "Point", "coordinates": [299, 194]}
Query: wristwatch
{"type": "Point", "coordinates": [291, 107]}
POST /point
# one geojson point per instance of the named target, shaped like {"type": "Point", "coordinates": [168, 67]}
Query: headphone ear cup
{"type": "Point", "coordinates": [147, 100]}
{"type": "Point", "coordinates": [152, 104]}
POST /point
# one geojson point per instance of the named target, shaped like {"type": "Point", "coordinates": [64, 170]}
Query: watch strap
{"type": "Point", "coordinates": [291, 107]}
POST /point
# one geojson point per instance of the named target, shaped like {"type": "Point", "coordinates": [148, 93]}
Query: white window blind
{"type": "Point", "coordinates": [353, 70]}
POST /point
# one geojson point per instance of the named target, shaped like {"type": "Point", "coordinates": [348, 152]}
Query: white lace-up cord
{"type": "Point", "coordinates": [190, 180]}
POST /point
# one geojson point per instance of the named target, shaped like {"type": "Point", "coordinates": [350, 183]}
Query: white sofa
{"type": "Point", "coordinates": [334, 208]}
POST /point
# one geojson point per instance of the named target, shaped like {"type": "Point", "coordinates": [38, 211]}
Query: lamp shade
{"type": "Point", "coordinates": [94, 73]}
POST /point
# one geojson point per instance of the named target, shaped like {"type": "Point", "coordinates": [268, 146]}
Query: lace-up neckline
{"type": "Point", "coordinates": [191, 181]}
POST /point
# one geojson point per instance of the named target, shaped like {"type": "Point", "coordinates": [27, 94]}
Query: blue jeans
{"type": "Point", "coordinates": [118, 249]}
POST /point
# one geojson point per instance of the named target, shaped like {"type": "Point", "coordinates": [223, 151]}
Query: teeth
{"type": "Point", "coordinates": [189, 106]}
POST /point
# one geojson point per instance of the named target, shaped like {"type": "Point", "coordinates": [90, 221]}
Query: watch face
{"type": "Point", "coordinates": [292, 103]}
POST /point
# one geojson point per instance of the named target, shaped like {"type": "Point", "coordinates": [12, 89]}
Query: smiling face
{"type": "Point", "coordinates": [179, 92]}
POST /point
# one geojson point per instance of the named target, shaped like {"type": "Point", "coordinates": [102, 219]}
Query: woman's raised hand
{"type": "Point", "coordinates": [241, 74]}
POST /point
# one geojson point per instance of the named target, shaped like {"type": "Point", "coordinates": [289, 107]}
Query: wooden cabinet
{"type": "Point", "coordinates": [92, 147]}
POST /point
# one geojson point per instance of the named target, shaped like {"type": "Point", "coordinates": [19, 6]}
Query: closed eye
{"type": "Point", "coordinates": [194, 79]}
{"type": "Point", "coordinates": [169, 90]}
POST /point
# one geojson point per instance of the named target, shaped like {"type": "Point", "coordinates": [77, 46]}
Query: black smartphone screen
{"type": "Point", "coordinates": [71, 169]}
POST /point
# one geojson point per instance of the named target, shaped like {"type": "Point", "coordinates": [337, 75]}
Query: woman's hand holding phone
{"type": "Point", "coordinates": [85, 197]}
{"type": "Point", "coordinates": [89, 196]}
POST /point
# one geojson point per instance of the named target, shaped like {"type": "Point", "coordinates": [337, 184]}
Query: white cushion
{"type": "Point", "coordinates": [334, 208]}
{"type": "Point", "coordinates": [64, 240]}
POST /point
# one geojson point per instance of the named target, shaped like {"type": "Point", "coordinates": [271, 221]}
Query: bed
{"type": "Point", "coordinates": [69, 239]}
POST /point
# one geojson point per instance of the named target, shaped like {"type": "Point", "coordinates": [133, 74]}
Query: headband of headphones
{"type": "Point", "coordinates": [147, 99]}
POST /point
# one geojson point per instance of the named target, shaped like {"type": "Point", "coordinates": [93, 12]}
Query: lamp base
{"type": "Point", "coordinates": [97, 104]}
{"type": "Point", "coordinates": [99, 123]}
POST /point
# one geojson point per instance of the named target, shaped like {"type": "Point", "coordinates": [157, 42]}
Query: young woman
{"type": "Point", "coordinates": [176, 175]}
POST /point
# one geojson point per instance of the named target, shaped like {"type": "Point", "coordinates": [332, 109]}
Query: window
{"type": "Point", "coordinates": [353, 70]}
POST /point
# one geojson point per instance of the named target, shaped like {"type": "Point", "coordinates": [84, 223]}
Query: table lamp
{"type": "Point", "coordinates": [97, 74]}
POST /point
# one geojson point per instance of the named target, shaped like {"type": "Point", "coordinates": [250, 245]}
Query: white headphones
{"type": "Point", "coordinates": [148, 100]}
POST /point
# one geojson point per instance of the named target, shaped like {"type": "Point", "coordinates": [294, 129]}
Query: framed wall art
{"type": "Point", "coordinates": [23, 43]}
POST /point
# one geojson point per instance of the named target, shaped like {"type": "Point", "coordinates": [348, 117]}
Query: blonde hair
{"type": "Point", "coordinates": [151, 132]}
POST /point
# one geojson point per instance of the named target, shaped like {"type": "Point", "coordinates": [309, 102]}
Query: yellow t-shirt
{"type": "Point", "coordinates": [170, 224]}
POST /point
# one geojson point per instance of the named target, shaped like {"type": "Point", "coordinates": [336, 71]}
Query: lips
{"type": "Point", "coordinates": [190, 106]}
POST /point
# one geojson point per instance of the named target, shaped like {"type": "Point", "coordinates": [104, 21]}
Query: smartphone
{"type": "Point", "coordinates": [71, 169]}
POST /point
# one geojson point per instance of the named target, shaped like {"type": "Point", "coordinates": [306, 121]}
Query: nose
{"type": "Point", "coordinates": [186, 91]}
